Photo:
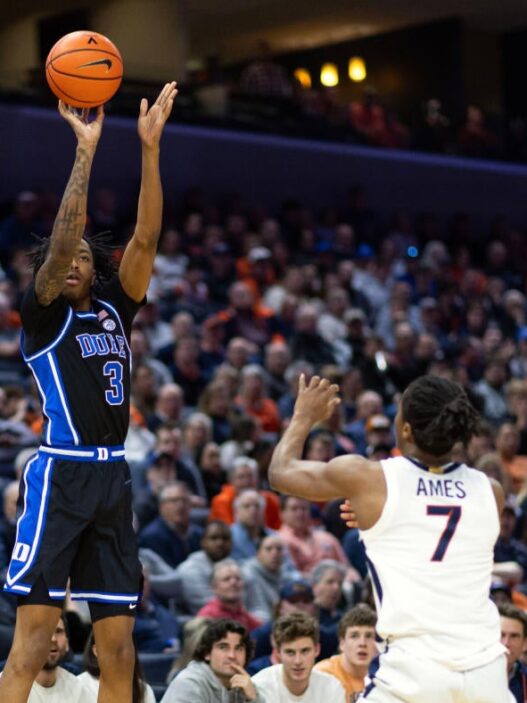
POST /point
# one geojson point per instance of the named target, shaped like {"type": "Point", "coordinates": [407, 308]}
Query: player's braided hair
{"type": "Point", "coordinates": [101, 249]}
{"type": "Point", "coordinates": [439, 413]}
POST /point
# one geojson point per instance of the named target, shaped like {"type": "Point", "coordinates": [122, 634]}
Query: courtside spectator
{"type": "Point", "coordinates": [357, 646]}
{"type": "Point", "coordinates": [296, 638]}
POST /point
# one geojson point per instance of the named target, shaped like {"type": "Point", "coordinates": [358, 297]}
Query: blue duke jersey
{"type": "Point", "coordinates": [430, 556]}
{"type": "Point", "coordinates": [81, 365]}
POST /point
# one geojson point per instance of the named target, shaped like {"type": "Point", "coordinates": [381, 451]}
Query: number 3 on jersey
{"type": "Point", "coordinates": [114, 371]}
{"type": "Point", "coordinates": [453, 513]}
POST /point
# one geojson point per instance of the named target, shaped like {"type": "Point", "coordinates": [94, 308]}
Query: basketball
{"type": "Point", "coordinates": [84, 69]}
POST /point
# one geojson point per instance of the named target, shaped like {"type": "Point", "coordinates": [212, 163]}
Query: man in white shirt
{"type": "Point", "coordinates": [296, 641]}
{"type": "Point", "coordinates": [53, 683]}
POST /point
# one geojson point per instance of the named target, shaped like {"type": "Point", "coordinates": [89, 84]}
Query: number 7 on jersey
{"type": "Point", "coordinates": [453, 513]}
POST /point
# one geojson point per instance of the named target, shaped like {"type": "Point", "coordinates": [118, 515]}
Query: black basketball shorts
{"type": "Point", "coordinates": [76, 524]}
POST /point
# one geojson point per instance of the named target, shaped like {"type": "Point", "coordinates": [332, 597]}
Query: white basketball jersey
{"type": "Point", "coordinates": [430, 557]}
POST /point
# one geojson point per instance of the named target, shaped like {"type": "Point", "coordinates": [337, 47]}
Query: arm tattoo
{"type": "Point", "coordinates": [67, 230]}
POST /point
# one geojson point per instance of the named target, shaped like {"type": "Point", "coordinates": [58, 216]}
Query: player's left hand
{"type": "Point", "coordinates": [152, 121]}
{"type": "Point", "coordinates": [317, 400]}
{"type": "Point", "coordinates": [242, 680]}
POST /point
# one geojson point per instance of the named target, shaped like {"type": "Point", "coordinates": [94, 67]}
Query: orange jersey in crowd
{"type": "Point", "coordinates": [222, 507]}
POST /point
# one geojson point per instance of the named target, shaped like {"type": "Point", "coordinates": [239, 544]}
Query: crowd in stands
{"type": "Point", "coordinates": [263, 96]}
{"type": "Point", "coordinates": [241, 303]}
{"type": "Point", "coordinates": [267, 97]}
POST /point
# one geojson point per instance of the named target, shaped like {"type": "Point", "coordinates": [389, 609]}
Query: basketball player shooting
{"type": "Point", "coordinates": [429, 525]}
{"type": "Point", "coordinates": [77, 518]}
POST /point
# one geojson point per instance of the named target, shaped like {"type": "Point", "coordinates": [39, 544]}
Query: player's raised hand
{"type": "Point", "coordinates": [87, 131]}
{"type": "Point", "coordinates": [152, 121]}
{"type": "Point", "coordinates": [317, 400]}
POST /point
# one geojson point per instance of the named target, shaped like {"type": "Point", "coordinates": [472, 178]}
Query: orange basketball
{"type": "Point", "coordinates": [84, 69]}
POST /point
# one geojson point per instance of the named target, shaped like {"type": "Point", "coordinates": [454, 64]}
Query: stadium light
{"type": "Point", "coordinates": [303, 76]}
{"type": "Point", "coordinates": [357, 69]}
{"type": "Point", "coordinates": [329, 75]}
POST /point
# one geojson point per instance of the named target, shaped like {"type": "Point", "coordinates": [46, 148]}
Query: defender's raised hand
{"type": "Point", "coordinates": [317, 400]}
{"type": "Point", "coordinates": [152, 121]}
{"type": "Point", "coordinates": [87, 131]}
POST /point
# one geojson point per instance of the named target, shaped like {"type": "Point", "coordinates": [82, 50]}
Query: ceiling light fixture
{"type": "Point", "coordinates": [357, 69]}
{"type": "Point", "coordinates": [329, 75]}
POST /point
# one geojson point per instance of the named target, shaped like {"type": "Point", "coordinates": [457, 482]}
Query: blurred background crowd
{"type": "Point", "coordinates": [241, 303]}
{"type": "Point", "coordinates": [249, 291]}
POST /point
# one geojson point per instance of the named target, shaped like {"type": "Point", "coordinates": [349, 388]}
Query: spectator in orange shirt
{"type": "Point", "coordinates": [515, 465]}
{"type": "Point", "coordinates": [242, 476]}
{"type": "Point", "coordinates": [254, 401]}
{"type": "Point", "coordinates": [357, 649]}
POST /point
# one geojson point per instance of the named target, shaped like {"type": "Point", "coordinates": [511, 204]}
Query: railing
{"type": "Point", "coordinates": [36, 151]}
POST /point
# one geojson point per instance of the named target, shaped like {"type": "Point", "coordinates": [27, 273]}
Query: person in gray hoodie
{"type": "Point", "coordinates": [217, 672]}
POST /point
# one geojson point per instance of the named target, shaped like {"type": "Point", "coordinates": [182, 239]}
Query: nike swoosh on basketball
{"type": "Point", "coordinates": [107, 62]}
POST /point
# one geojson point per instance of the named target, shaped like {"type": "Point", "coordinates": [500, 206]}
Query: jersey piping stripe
{"type": "Point", "coordinates": [375, 579]}
{"type": "Point", "coordinates": [87, 454]}
{"type": "Point", "coordinates": [107, 305]}
{"type": "Point", "coordinates": [86, 315]}
{"type": "Point", "coordinates": [40, 521]}
{"type": "Point", "coordinates": [62, 396]}
{"type": "Point", "coordinates": [445, 469]}
{"type": "Point", "coordinates": [372, 671]}
{"type": "Point", "coordinates": [17, 588]}
{"type": "Point", "coordinates": [19, 521]}
{"type": "Point", "coordinates": [44, 402]}
{"type": "Point", "coordinates": [56, 595]}
{"type": "Point", "coordinates": [105, 597]}
{"type": "Point", "coordinates": [53, 343]}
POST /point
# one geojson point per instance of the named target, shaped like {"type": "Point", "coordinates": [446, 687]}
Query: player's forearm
{"type": "Point", "coordinates": [150, 205]}
{"type": "Point", "coordinates": [71, 218]}
{"type": "Point", "coordinates": [289, 450]}
{"type": "Point", "coordinates": [68, 228]}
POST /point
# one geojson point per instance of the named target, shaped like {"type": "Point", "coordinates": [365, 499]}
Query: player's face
{"type": "Point", "coordinates": [81, 275]}
{"type": "Point", "coordinates": [298, 658]}
{"type": "Point", "coordinates": [59, 647]}
{"type": "Point", "coordinates": [358, 646]}
{"type": "Point", "coordinates": [224, 654]}
{"type": "Point", "coordinates": [512, 637]}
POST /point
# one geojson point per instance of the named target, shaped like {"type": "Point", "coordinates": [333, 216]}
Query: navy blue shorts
{"type": "Point", "coordinates": [76, 524]}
